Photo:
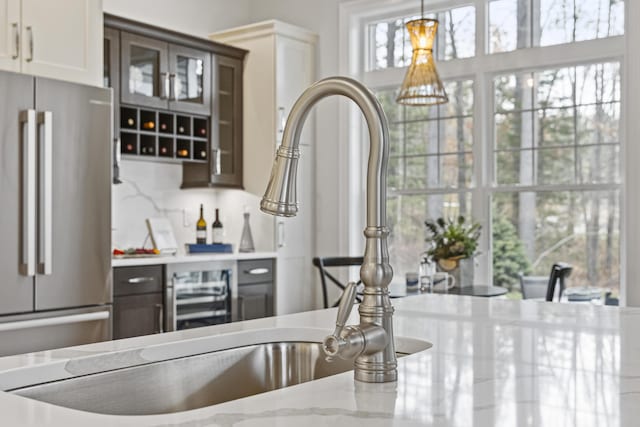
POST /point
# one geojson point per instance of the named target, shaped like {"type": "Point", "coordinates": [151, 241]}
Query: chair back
{"type": "Point", "coordinates": [323, 263]}
{"type": "Point", "coordinates": [559, 273]}
{"type": "Point", "coordinates": [538, 287]}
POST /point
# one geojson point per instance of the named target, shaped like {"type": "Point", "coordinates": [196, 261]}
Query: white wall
{"type": "Point", "coordinates": [151, 189]}
{"type": "Point", "coordinates": [320, 17]}
{"type": "Point", "coordinates": [195, 17]}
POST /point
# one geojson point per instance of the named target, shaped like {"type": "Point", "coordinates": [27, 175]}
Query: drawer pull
{"type": "Point", "coordinates": [256, 271]}
{"type": "Point", "coordinates": [138, 280]}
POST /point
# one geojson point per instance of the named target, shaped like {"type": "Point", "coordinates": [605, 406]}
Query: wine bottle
{"type": "Point", "coordinates": [201, 229]}
{"type": "Point", "coordinates": [217, 228]}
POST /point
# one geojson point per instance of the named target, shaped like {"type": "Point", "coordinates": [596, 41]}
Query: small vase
{"type": "Point", "coordinates": [246, 241]}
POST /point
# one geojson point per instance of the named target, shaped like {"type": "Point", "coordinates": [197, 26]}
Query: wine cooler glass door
{"type": "Point", "coordinates": [202, 298]}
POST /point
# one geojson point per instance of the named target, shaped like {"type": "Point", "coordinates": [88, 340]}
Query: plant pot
{"type": "Point", "coordinates": [449, 264]}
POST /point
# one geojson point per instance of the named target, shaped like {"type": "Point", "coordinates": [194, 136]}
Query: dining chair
{"type": "Point", "coordinates": [322, 263]}
{"type": "Point", "coordinates": [559, 273]}
{"type": "Point", "coordinates": [538, 287]}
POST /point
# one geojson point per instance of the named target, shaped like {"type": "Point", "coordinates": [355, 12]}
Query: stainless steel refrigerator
{"type": "Point", "coordinates": [55, 214]}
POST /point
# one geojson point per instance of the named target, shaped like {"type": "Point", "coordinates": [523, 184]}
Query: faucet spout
{"type": "Point", "coordinates": [376, 273]}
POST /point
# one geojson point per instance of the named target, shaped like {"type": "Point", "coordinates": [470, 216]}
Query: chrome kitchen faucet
{"type": "Point", "coordinates": [370, 342]}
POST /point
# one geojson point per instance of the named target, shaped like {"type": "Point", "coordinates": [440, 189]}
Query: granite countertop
{"type": "Point", "coordinates": [182, 258]}
{"type": "Point", "coordinates": [494, 362]}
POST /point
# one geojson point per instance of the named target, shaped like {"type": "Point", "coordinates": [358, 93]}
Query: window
{"type": "Point", "coordinates": [517, 24]}
{"type": "Point", "coordinates": [430, 155]}
{"type": "Point", "coordinates": [558, 126]}
{"type": "Point", "coordinates": [529, 145]}
{"type": "Point", "coordinates": [392, 47]}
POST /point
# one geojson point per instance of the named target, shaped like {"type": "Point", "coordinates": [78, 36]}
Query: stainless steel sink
{"type": "Point", "coordinates": [181, 375]}
{"type": "Point", "coordinates": [191, 382]}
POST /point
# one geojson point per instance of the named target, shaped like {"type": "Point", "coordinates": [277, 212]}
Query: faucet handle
{"type": "Point", "coordinates": [346, 304]}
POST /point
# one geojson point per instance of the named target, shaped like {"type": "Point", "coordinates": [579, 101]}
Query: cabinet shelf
{"type": "Point", "coordinates": [161, 135]}
{"type": "Point", "coordinates": [171, 90]}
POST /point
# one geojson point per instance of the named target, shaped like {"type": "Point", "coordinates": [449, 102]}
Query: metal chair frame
{"type": "Point", "coordinates": [559, 272]}
{"type": "Point", "coordinates": [323, 262]}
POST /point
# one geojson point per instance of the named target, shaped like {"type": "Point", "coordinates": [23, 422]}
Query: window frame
{"type": "Point", "coordinates": [355, 16]}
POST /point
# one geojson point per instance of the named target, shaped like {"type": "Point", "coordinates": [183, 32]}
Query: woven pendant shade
{"type": "Point", "coordinates": [422, 85]}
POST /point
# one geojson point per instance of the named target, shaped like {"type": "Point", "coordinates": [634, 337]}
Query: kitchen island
{"type": "Point", "coordinates": [493, 363]}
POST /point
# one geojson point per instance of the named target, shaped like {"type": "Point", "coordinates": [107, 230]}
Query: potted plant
{"type": "Point", "coordinates": [452, 240]}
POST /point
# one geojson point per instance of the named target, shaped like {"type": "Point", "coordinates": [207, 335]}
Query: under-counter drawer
{"type": "Point", "coordinates": [255, 271]}
{"type": "Point", "coordinates": [137, 280]}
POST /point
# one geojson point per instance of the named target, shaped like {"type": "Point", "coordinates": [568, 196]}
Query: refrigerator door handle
{"type": "Point", "coordinates": [53, 321]}
{"type": "Point", "coordinates": [28, 133]}
{"type": "Point", "coordinates": [45, 255]}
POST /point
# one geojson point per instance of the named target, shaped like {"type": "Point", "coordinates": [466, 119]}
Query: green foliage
{"type": "Point", "coordinates": [509, 257]}
{"type": "Point", "coordinates": [452, 238]}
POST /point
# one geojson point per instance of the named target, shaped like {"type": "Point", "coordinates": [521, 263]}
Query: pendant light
{"type": "Point", "coordinates": [422, 85]}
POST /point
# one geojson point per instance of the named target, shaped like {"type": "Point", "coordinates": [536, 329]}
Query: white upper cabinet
{"type": "Point", "coordinates": [60, 39]}
{"type": "Point", "coordinates": [278, 68]}
{"type": "Point", "coordinates": [10, 35]}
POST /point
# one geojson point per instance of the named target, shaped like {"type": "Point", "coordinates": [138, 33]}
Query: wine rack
{"type": "Point", "coordinates": [162, 135]}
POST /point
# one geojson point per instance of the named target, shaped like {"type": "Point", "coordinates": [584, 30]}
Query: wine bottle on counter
{"type": "Point", "coordinates": [201, 229]}
{"type": "Point", "coordinates": [217, 228]}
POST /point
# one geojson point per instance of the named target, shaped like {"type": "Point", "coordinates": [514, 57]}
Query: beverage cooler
{"type": "Point", "coordinates": [198, 294]}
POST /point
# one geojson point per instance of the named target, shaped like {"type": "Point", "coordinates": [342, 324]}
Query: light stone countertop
{"type": "Point", "coordinates": [184, 258]}
{"type": "Point", "coordinates": [494, 362]}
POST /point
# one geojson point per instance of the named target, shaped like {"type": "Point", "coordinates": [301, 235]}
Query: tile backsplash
{"type": "Point", "coordinates": [152, 189]}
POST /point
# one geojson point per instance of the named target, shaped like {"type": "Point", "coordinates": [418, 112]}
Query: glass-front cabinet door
{"type": "Point", "coordinates": [227, 153]}
{"type": "Point", "coordinates": [190, 80]}
{"type": "Point", "coordinates": [145, 71]}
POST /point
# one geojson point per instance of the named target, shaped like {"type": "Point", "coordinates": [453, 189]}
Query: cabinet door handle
{"type": "Point", "coordinates": [257, 271]}
{"type": "Point", "coordinates": [30, 32]}
{"type": "Point", "coordinates": [117, 146]}
{"type": "Point", "coordinates": [281, 236]}
{"type": "Point", "coordinates": [138, 280]}
{"type": "Point", "coordinates": [282, 120]}
{"type": "Point", "coordinates": [165, 85]}
{"type": "Point", "coordinates": [217, 161]}
{"type": "Point", "coordinates": [160, 309]}
{"type": "Point", "coordinates": [117, 156]}
{"type": "Point", "coordinates": [16, 40]}
{"type": "Point", "coordinates": [172, 87]}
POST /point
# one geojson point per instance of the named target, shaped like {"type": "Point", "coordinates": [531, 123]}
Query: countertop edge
{"type": "Point", "coordinates": [185, 258]}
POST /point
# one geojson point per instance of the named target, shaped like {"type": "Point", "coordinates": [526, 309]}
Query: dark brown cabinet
{"type": "Point", "coordinates": [162, 75]}
{"type": "Point", "coordinates": [138, 307]}
{"type": "Point", "coordinates": [137, 315]}
{"type": "Point", "coordinates": [193, 89]}
{"type": "Point", "coordinates": [224, 168]}
{"type": "Point", "coordinates": [255, 301]}
{"type": "Point", "coordinates": [255, 289]}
